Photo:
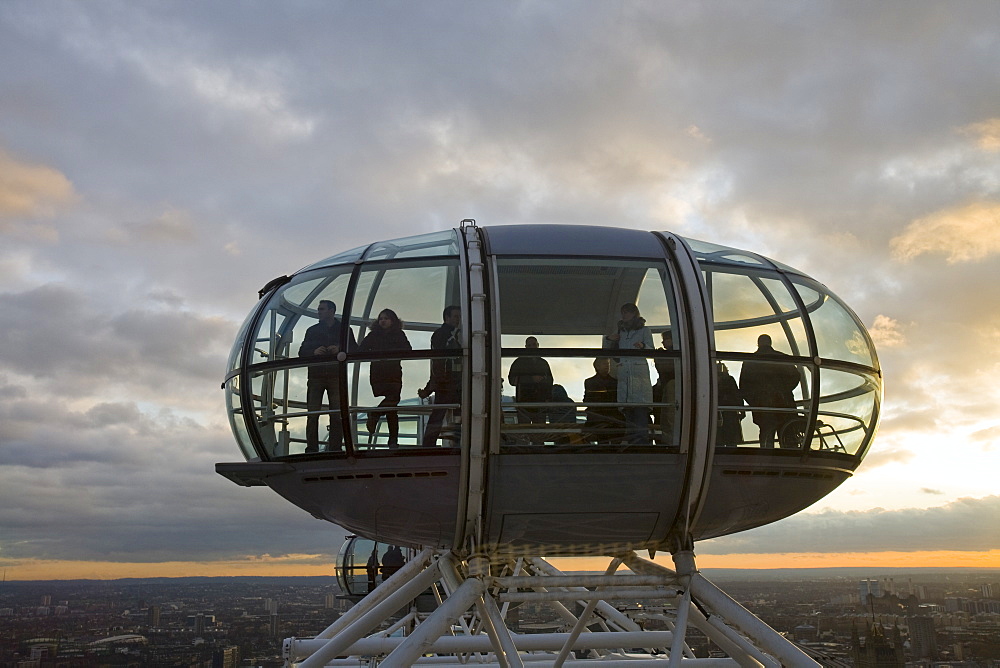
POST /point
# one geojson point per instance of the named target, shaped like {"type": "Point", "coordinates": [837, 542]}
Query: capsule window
{"type": "Point", "coordinates": [747, 304]}
{"type": "Point", "coordinates": [848, 404]}
{"type": "Point", "coordinates": [590, 394]}
{"type": "Point", "coordinates": [839, 333]}
{"type": "Point", "coordinates": [397, 309]}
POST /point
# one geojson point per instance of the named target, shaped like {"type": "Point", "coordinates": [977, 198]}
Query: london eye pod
{"type": "Point", "coordinates": [760, 395]}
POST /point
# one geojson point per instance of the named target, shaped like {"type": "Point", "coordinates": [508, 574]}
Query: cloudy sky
{"type": "Point", "coordinates": [161, 161]}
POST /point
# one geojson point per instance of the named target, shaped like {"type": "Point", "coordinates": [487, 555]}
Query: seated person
{"type": "Point", "coordinates": [563, 418]}
{"type": "Point", "coordinates": [602, 423]}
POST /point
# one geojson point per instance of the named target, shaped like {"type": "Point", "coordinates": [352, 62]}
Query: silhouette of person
{"type": "Point", "coordinates": [322, 341]}
{"type": "Point", "coordinates": [602, 387]}
{"type": "Point", "coordinates": [634, 385]}
{"type": "Point", "coordinates": [532, 380]}
{"type": "Point", "coordinates": [665, 389]}
{"type": "Point", "coordinates": [768, 384]}
{"type": "Point", "coordinates": [371, 569]}
{"type": "Point", "coordinates": [392, 561]}
{"type": "Point", "coordinates": [562, 415]}
{"type": "Point", "coordinates": [386, 376]}
{"type": "Point", "coordinates": [445, 382]}
{"type": "Point", "coordinates": [729, 431]}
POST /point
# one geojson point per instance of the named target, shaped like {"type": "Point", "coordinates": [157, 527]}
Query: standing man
{"type": "Point", "coordinates": [532, 378]}
{"type": "Point", "coordinates": [445, 382]}
{"type": "Point", "coordinates": [769, 384]}
{"type": "Point", "coordinates": [322, 341]}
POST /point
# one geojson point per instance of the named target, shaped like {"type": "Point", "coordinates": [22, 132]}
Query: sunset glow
{"type": "Point", "coordinates": [105, 570]}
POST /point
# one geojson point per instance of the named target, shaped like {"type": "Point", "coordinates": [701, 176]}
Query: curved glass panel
{"type": "Point", "coordinates": [708, 252]}
{"type": "Point", "coordinates": [236, 353]}
{"type": "Point", "coordinates": [301, 320]}
{"type": "Point", "coordinates": [410, 299]}
{"type": "Point", "coordinates": [357, 566]}
{"type": "Point", "coordinates": [749, 303]}
{"type": "Point", "coordinates": [364, 564]}
{"type": "Point", "coordinates": [839, 333]}
{"type": "Point", "coordinates": [785, 267]}
{"type": "Point", "coordinates": [237, 419]}
{"type": "Point", "coordinates": [298, 407]}
{"type": "Point", "coordinates": [424, 245]}
{"type": "Point", "coordinates": [346, 257]}
{"type": "Point", "coordinates": [417, 292]}
{"type": "Point", "coordinates": [281, 412]}
{"type": "Point", "coordinates": [847, 406]}
{"type": "Point", "coordinates": [292, 310]}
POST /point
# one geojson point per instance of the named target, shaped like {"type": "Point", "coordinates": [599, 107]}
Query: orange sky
{"type": "Point", "coordinates": [100, 570]}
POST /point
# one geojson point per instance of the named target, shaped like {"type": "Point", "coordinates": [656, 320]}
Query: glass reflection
{"type": "Point", "coordinates": [417, 293]}
{"type": "Point", "coordinates": [839, 334]}
{"type": "Point", "coordinates": [847, 406]}
{"type": "Point", "coordinates": [237, 419]}
{"type": "Point", "coordinates": [709, 252]}
{"type": "Point", "coordinates": [748, 304]}
{"type": "Point", "coordinates": [236, 352]}
{"type": "Point", "coordinates": [346, 257]}
{"type": "Point", "coordinates": [424, 245]}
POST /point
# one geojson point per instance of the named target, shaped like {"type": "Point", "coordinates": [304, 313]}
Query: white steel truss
{"type": "Point", "coordinates": [473, 598]}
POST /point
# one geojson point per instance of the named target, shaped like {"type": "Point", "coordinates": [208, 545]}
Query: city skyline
{"type": "Point", "coordinates": [160, 163]}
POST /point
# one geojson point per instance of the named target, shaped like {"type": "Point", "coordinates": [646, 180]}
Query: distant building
{"type": "Point", "coordinates": [877, 650]}
{"type": "Point", "coordinates": [226, 658]}
{"type": "Point", "coordinates": [868, 588]}
{"type": "Point", "coordinates": [805, 633]}
{"type": "Point", "coordinates": [923, 637]}
{"type": "Point", "coordinates": [154, 616]}
{"type": "Point", "coordinates": [200, 622]}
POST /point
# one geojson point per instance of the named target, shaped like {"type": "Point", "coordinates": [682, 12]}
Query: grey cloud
{"type": "Point", "coordinates": [61, 334]}
{"type": "Point", "coordinates": [965, 524]}
{"type": "Point", "coordinates": [813, 133]}
{"type": "Point", "coordinates": [198, 516]}
{"type": "Point", "coordinates": [171, 227]}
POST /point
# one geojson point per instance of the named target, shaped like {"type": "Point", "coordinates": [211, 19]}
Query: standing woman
{"type": "Point", "coordinates": [386, 376]}
{"type": "Point", "coordinates": [634, 385]}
